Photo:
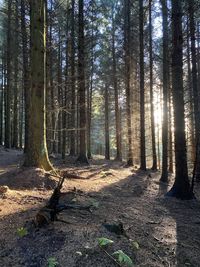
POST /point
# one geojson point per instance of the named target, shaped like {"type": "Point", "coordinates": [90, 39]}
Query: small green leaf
{"type": "Point", "coordinates": [21, 232]}
{"type": "Point", "coordinates": [52, 262]}
{"type": "Point", "coordinates": [95, 203]}
{"type": "Point", "coordinates": [104, 241]}
{"type": "Point", "coordinates": [135, 245]}
{"type": "Point", "coordinates": [123, 258]}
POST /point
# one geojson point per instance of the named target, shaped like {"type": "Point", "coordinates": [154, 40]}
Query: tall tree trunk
{"type": "Point", "coordinates": [142, 93]}
{"type": "Point", "coordinates": [190, 89]}
{"type": "Point", "coordinates": [8, 79]}
{"type": "Point", "coordinates": [181, 188]}
{"type": "Point", "coordinates": [154, 166]}
{"type": "Point", "coordinates": [59, 88]}
{"type": "Point", "coordinates": [107, 135]}
{"type": "Point", "coordinates": [164, 175]}
{"type": "Point", "coordinates": [82, 158]}
{"type": "Point", "coordinates": [116, 94]}
{"type": "Point", "coordinates": [73, 96]}
{"type": "Point", "coordinates": [16, 89]}
{"type": "Point", "coordinates": [127, 79]}
{"type": "Point", "coordinates": [26, 85]}
{"type": "Point", "coordinates": [65, 102]}
{"type": "Point", "coordinates": [37, 155]}
{"type": "Point", "coordinates": [195, 86]}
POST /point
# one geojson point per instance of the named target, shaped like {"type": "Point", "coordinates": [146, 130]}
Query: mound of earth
{"type": "Point", "coordinates": [27, 178]}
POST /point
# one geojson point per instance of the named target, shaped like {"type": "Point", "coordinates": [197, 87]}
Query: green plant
{"type": "Point", "coordinates": [104, 241]}
{"type": "Point", "coordinates": [52, 262]}
{"type": "Point", "coordinates": [21, 232]}
{"type": "Point", "coordinates": [135, 245]}
{"type": "Point", "coordinates": [122, 258]}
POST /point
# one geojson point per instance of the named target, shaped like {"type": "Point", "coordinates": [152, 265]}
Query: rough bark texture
{"type": "Point", "coordinates": [181, 187]}
{"type": "Point", "coordinates": [196, 94]}
{"type": "Point", "coordinates": [116, 93]}
{"type": "Point", "coordinates": [36, 154]}
{"type": "Point", "coordinates": [142, 110]}
{"type": "Point", "coordinates": [107, 136]}
{"type": "Point", "coordinates": [8, 78]}
{"type": "Point", "coordinates": [73, 97]}
{"type": "Point", "coordinates": [127, 79]}
{"type": "Point", "coordinates": [154, 154]}
{"type": "Point", "coordinates": [164, 175]}
{"type": "Point", "coordinates": [82, 158]}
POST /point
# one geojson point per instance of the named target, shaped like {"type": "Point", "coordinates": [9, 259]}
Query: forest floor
{"type": "Point", "coordinates": [167, 230]}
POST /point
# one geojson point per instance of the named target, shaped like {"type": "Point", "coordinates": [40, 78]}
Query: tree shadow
{"type": "Point", "coordinates": [137, 201]}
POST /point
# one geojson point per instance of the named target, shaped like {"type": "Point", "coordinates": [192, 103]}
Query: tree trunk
{"type": "Point", "coordinates": [26, 85]}
{"type": "Point", "coordinates": [181, 187]}
{"type": "Point", "coordinates": [142, 93]}
{"type": "Point", "coordinates": [73, 96]}
{"type": "Point", "coordinates": [164, 175]}
{"type": "Point", "coordinates": [82, 158]}
{"type": "Point", "coordinates": [196, 94]}
{"type": "Point", "coordinates": [8, 78]}
{"type": "Point", "coordinates": [16, 89]}
{"type": "Point", "coordinates": [37, 155]}
{"type": "Point", "coordinates": [107, 135]}
{"type": "Point", "coordinates": [116, 95]}
{"type": "Point", "coordinates": [154, 166]}
{"type": "Point", "coordinates": [127, 79]}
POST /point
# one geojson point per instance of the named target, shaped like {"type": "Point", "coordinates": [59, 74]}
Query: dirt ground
{"type": "Point", "coordinates": [167, 230]}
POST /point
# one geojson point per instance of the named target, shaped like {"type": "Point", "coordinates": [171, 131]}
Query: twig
{"type": "Point", "coordinates": [111, 257]}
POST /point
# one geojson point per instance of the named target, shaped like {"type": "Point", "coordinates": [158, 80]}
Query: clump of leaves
{"type": "Point", "coordinates": [135, 245]}
{"type": "Point", "coordinates": [52, 262]}
{"type": "Point", "coordinates": [94, 203]}
{"type": "Point", "coordinates": [104, 241]}
{"type": "Point", "coordinates": [21, 232]}
{"type": "Point", "coordinates": [123, 258]}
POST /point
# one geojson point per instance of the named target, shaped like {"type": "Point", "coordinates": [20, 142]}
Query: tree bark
{"type": "Point", "coordinates": [181, 187]}
{"type": "Point", "coordinates": [142, 93]}
{"type": "Point", "coordinates": [154, 166]}
{"type": "Point", "coordinates": [37, 155]}
{"type": "Point", "coordinates": [164, 175]}
{"type": "Point", "coordinates": [127, 80]}
{"type": "Point", "coordinates": [82, 158]}
{"type": "Point", "coordinates": [107, 135]}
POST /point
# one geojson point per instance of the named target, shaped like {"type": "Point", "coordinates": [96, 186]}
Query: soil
{"type": "Point", "coordinates": [166, 229]}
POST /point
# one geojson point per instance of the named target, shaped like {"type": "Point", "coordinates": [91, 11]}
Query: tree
{"type": "Point", "coordinates": [142, 111]}
{"type": "Point", "coordinates": [127, 79]}
{"type": "Point", "coordinates": [181, 187]}
{"type": "Point", "coordinates": [37, 155]}
{"type": "Point", "coordinates": [164, 175]}
{"type": "Point", "coordinates": [154, 166]}
{"type": "Point", "coordinates": [116, 92]}
{"type": "Point", "coordinates": [8, 79]}
{"type": "Point", "coordinates": [195, 85]}
{"type": "Point", "coordinates": [82, 158]}
{"type": "Point", "coordinates": [107, 137]}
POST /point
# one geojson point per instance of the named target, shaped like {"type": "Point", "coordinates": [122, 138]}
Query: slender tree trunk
{"type": "Point", "coordinates": [116, 94]}
{"type": "Point", "coordinates": [37, 155]}
{"type": "Point", "coordinates": [127, 79]}
{"type": "Point", "coordinates": [190, 89]}
{"type": "Point", "coordinates": [65, 102]}
{"type": "Point", "coordinates": [142, 93]}
{"type": "Point", "coordinates": [164, 175]}
{"type": "Point", "coordinates": [26, 85]}
{"type": "Point", "coordinates": [107, 135]}
{"type": "Point", "coordinates": [154, 166]}
{"type": "Point", "coordinates": [82, 158]}
{"type": "Point", "coordinates": [73, 96]}
{"type": "Point", "coordinates": [16, 89]}
{"type": "Point", "coordinates": [195, 86]}
{"type": "Point", "coordinates": [8, 79]}
{"type": "Point", "coordinates": [181, 187]}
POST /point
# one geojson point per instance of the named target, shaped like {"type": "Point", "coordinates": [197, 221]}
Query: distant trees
{"type": "Point", "coordinates": [97, 80]}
